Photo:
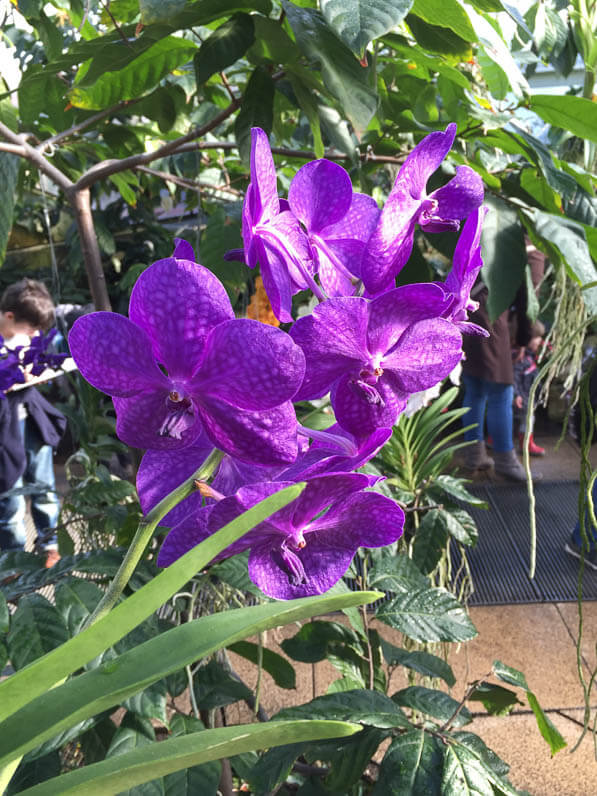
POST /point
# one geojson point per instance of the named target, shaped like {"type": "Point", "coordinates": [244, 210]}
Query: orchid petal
{"type": "Point", "coordinates": [461, 196]}
{"type": "Point", "coordinates": [184, 536]}
{"type": "Point", "coordinates": [320, 194]}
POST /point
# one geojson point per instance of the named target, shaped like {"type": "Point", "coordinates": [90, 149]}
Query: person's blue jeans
{"type": "Point", "coordinates": [488, 397]}
{"type": "Point", "coordinates": [45, 505]}
{"type": "Point", "coordinates": [590, 529]}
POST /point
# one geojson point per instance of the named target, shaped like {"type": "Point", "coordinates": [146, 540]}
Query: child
{"type": "Point", "coordinates": [29, 427]}
{"type": "Point", "coordinates": [525, 372]}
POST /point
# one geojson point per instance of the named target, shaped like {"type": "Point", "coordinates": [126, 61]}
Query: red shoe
{"type": "Point", "coordinates": [534, 449]}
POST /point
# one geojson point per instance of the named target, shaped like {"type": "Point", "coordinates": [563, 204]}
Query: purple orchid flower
{"type": "Point", "coordinates": [305, 548]}
{"type": "Point", "coordinates": [338, 222]}
{"type": "Point", "coordinates": [182, 364]}
{"type": "Point", "coordinates": [372, 354]}
{"type": "Point", "coordinates": [37, 355]}
{"type": "Point", "coordinates": [467, 263]}
{"type": "Point", "coordinates": [272, 236]}
{"type": "Point", "coordinates": [391, 242]}
{"type": "Point", "coordinates": [11, 372]}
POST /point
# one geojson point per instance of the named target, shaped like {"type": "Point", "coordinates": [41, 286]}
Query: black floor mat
{"type": "Point", "coordinates": [500, 561]}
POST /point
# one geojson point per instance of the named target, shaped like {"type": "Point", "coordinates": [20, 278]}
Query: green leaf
{"type": "Point", "coordinates": [136, 78]}
{"type": "Point", "coordinates": [224, 47]}
{"type": "Point", "coordinates": [434, 703]}
{"type": "Point", "coordinates": [461, 526]}
{"type": "Point", "coordinates": [574, 114]}
{"type": "Point", "coordinates": [478, 747]}
{"type": "Point", "coordinates": [214, 687]}
{"type": "Point", "coordinates": [510, 675]}
{"type": "Point", "coordinates": [273, 767]}
{"type": "Point", "coordinates": [504, 255]}
{"type": "Point", "coordinates": [371, 708]}
{"type": "Point", "coordinates": [221, 234]}
{"type": "Point", "coordinates": [546, 727]}
{"type": "Point", "coordinates": [272, 43]}
{"type": "Point", "coordinates": [568, 241]}
{"type": "Point", "coordinates": [455, 487]}
{"type": "Point", "coordinates": [348, 758]}
{"type": "Point", "coordinates": [447, 14]}
{"type": "Point", "coordinates": [309, 108]}
{"type": "Point", "coordinates": [438, 39]}
{"type": "Point", "coordinates": [428, 615]}
{"type": "Point", "coordinates": [342, 74]}
{"type": "Point", "coordinates": [30, 773]}
{"type": "Point", "coordinates": [9, 172]}
{"type": "Point", "coordinates": [411, 766]}
{"type": "Point", "coordinates": [430, 541]}
{"type": "Point", "coordinates": [397, 574]}
{"type": "Point", "coordinates": [118, 678]}
{"type": "Point", "coordinates": [257, 110]}
{"type": "Point", "coordinates": [419, 661]}
{"type": "Point", "coordinates": [96, 741]}
{"type": "Point", "coordinates": [280, 670]}
{"type": "Point", "coordinates": [159, 10]}
{"type": "Point", "coordinates": [314, 640]}
{"type": "Point", "coordinates": [464, 773]}
{"type": "Point", "coordinates": [4, 615]}
{"type": "Point", "coordinates": [357, 22]}
{"type": "Point", "coordinates": [24, 686]}
{"type": "Point", "coordinates": [76, 599]}
{"type": "Point", "coordinates": [155, 760]}
{"type": "Point", "coordinates": [196, 779]}
{"type": "Point", "coordinates": [149, 703]}
{"type": "Point", "coordinates": [36, 628]}
{"type": "Point", "coordinates": [496, 700]}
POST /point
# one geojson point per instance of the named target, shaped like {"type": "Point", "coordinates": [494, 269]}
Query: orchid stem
{"type": "Point", "coordinates": [144, 533]}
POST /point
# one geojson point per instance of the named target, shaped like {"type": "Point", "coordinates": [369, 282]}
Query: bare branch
{"type": "Point", "coordinates": [107, 167]}
{"type": "Point", "coordinates": [192, 185]}
{"type": "Point", "coordinates": [37, 159]}
{"type": "Point", "coordinates": [13, 149]}
{"type": "Point", "coordinates": [78, 128]}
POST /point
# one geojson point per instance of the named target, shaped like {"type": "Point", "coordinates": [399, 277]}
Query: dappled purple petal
{"type": "Point", "coordinates": [267, 438]}
{"type": "Point", "coordinates": [184, 536]}
{"type": "Point", "coordinates": [264, 198]}
{"type": "Point", "coordinates": [459, 197]}
{"type": "Point", "coordinates": [361, 411]}
{"type": "Point", "coordinates": [425, 354]}
{"type": "Point", "coordinates": [145, 421]}
{"type": "Point", "coordinates": [320, 194]}
{"type": "Point", "coordinates": [268, 377]}
{"type": "Point", "coordinates": [114, 355]}
{"type": "Point", "coordinates": [183, 250]}
{"type": "Point", "coordinates": [177, 303]}
{"type": "Point", "coordinates": [334, 338]}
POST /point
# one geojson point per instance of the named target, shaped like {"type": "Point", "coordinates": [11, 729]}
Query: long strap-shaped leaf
{"type": "Point", "coordinates": [106, 686]}
{"type": "Point", "coordinates": [53, 667]}
{"type": "Point", "coordinates": [120, 773]}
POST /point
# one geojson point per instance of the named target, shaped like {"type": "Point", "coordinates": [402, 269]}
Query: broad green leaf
{"type": "Point", "coordinates": [224, 47]}
{"type": "Point", "coordinates": [482, 751]}
{"type": "Point", "coordinates": [510, 675]}
{"type": "Point", "coordinates": [97, 740]}
{"type": "Point", "coordinates": [434, 703]}
{"type": "Point", "coordinates": [348, 758]}
{"type": "Point", "coordinates": [495, 77]}
{"type": "Point", "coordinates": [464, 774]}
{"type": "Point", "coordinates": [496, 48]}
{"type": "Point", "coordinates": [357, 22]}
{"type": "Point", "coordinates": [428, 615]}
{"type": "Point", "coordinates": [221, 234]}
{"type": "Point", "coordinates": [214, 687]}
{"type": "Point", "coordinates": [496, 699]}
{"type": "Point", "coordinates": [196, 779]}
{"type": "Point", "coordinates": [118, 678]}
{"type": "Point", "coordinates": [38, 677]}
{"type": "Point", "coordinates": [446, 14]}
{"type": "Point", "coordinates": [36, 628]}
{"type": "Point", "coordinates": [439, 39]}
{"type": "Point", "coordinates": [156, 760]}
{"type": "Point", "coordinates": [4, 615]}
{"type": "Point", "coordinates": [313, 641]}
{"type": "Point", "coordinates": [546, 727]}
{"type": "Point", "coordinates": [430, 541]}
{"type": "Point", "coordinates": [281, 671]}
{"type": "Point", "coordinates": [461, 526]}
{"type": "Point", "coordinates": [419, 661]}
{"type": "Point", "coordinates": [455, 487]}
{"type": "Point", "coordinates": [42, 88]}
{"type": "Point", "coordinates": [371, 708]}
{"type": "Point", "coordinates": [342, 74]}
{"type": "Point", "coordinates": [574, 114]}
{"type": "Point", "coordinates": [398, 574]}
{"type": "Point", "coordinates": [411, 766]}
{"type": "Point", "coordinates": [9, 172]}
{"type": "Point", "coordinates": [137, 77]}
{"type": "Point", "coordinates": [567, 240]}
{"type": "Point", "coordinates": [159, 10]}
{"type": "Point", "coordinates": [504, 255]}
{"type": "Point", "coordinates": [149, 703]}
{"type": "Point", "coordinates": [273, 767]}
{"type": "Point", "coordinates": [309, 108]}
{"type": "Point", "coordinates": [272, 43]}
{"type": "Point", "coordinates": [257, 110]}
{"type": "Point", "coordinates": [31, 772]}
{"type": "Point", "coordinates": [76, 599]}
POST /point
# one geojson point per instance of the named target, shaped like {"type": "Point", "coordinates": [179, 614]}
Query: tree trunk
{"type": "Point", "coordinates": [81, 201]}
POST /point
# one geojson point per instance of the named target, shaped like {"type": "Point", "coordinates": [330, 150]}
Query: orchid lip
{"type": "Point", "coordinates": [289, 563]}
{"type": "Point", "coordinates": [346, 445]}
{"type": "Point", "coordinates": [180, 415]}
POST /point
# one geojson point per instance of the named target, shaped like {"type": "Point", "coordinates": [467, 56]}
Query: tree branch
{"type": "Point", "coordinates": [192, 185]}
{"type": "Point", "coordinates": [13, 149]}
{"type": "Point", "coordinates": [39, 161]}
{"type": "Point", "coordinates": [78, 128]}
{"type": "Point", "coordinates": [107, 167]}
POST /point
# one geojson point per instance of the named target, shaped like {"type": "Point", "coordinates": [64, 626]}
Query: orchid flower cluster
{"type": "Point", "coordinates": [16, 362]}
{"type": "Point", "coordinates": [187, 376]}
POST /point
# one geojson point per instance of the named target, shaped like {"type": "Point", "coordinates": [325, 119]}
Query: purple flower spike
{"type": "Point", "coordinates": [373, 354]}
{"type": "Point", "coordinates": [182, 364]}
{"type": "Point", "coordinates": [338, 222]}
{"type": "Point", "coordinates": [272, 236]}
{"type": "Point", "coordinates": [466, 266]}
{"type": "Point", "coordinates": [390, 245]}
{"type": "Point", "coordinates": [299, 551]}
